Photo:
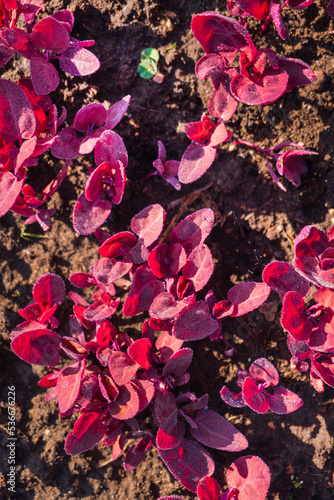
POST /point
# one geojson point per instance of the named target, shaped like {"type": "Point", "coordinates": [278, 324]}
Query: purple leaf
{"type": "Point", "coordinates": [294, 317]}
{"type": "Point", "coordinates": [49, 289]}
{"type": "Point", "coordinates": [199, 267]}
{"type": "Point", "coordinates": [196, 160]}
{"type": "Point", "coordinates": [194, 322]}
{"type": "Point", "coordinates": [89, 215]}
{"type": "Point", "coordinates": [215, 431]}
{"type": "Point", "coordinates": [253, 397]}
{"type": "Point", "coordinates": [231, 398]}
{"type": "Point", "coordinates": [66, 18]}
{"type": "Point", "coordinates": [66, 144]}
{"type": "Point", "coordinates": [189, 463]}
{"type": "Point", "coordinates": [164, 306]}
{"type": "Point", "coordinates": [250, 476]}
{"type": "Point", "coordinates": [68, 385]}
{"type": "Point", "coordinates": [168, 440]}
{"type": "Point", "coordinates": [178, 363]}
{"type": "Point", "coordinates": [148, 223]}
{"type": "Point", "coordinates": [247, 296]}
{"type": "Point", "coordinates": [284, 401]}
{"type": "Point", "coordinates": [208, 489]}
{"type": "Point", "coordinates": [20, 41]}
{"type": "Point", "coordinates": [17, 119]}
{"type": "Point", "coordinates": [38, 347]}
{"type": "Point", "coordinates": [44, 75]}
{"type": "Point", "coordinates": [299, 72]}
{"type": "Point", "coordinates": [78, 61]}
{"type": "Point", "coordinates": [145, 391]}
{"type": "Point", "coordinates": [91, 114]}
{"type": "Point", "coordinates": [136, 453]}
{"type": "Point", "coordinates": [259, 9]}
{"type": "Point", "coordinates": [87, 433]}
{"type": "Point", "coordinates": [140, 351]}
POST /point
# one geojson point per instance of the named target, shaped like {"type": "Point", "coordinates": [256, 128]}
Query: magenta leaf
{"type": "Point", "coordinates": [91, 114]}
{"type": "Point", "coordinates": [215, 431]}
{"type": "Point", "coordinates": [106, 270]}
{"type": "Point", "coordinates": [284, 401]}
{"type": "Point", "coordinates": [38, 347]}
{"type": "Point", "coordinates": [247, 296]}
{"type": "Point", "coordinates": [166, 440]}
{"type": "Point", "coordinates": [145, 391]}
{"type": "Point", "coordinates": [17, 119]}
{"type": "Point", "coordinates": [199, 267]}
{"type": "Point", "coordinates": [136, 453]}
{"type": "Point", "coordinates": [50, 34]}
{"type": "Point", "coordinates": [116, 112]}
{"type": "Point", "coordinates": [264, 371]}
{"type": "Point", "coordinates": [283, 278]}
{"type": "Point", "coordinates": [253, 397]}
{"type": "Point", "coordinates": [178, 363]}
{"type": "Point", "coordinates": [68, 385]}
{"type": "Point", "coordinates": [270, 87]}
{"type": "Point", "coordinates": [193, 230]}
{"type": "Point", "coordinates": [259, 9]}
{"type": "Point", "coordinates": [66, 144]}
{"type": "Point", "coordinates": [250, 476]}
{"type": "Point", "coordinates": [208, 489]}
{"type": "Point", "coordinates": [20, 41]}
{"type": "Point", "coordinates": [49, 289]}
{"type": "Point", "coordinates": [139, 351]}
{"type": "Point", "coordinates": [219, 34]}
{"type": "Point", "coordinates": [66, 18]}
{"type": "Point", "coordinates": [148, 223]}
{"type": "Point", "coordinates": [194, 322]}
{"type": "Point", "coordinates": [110, 148]}
{"type": "Point", "coordinates": [189, 463]}
{"type": "Point", "coordinates": [196, 160]}
{"type": "Point", "coordinates": [126, 405]}
{"type": "Point", "coordinates": [165, 411]}
{"type": "Point", "coordinates": [294, 317]}
{"type": "Point", "coordinates": [78, 61]}
{"type": "Point", "coordinates": [90, 215]}
{"type": "Point", "coordinates": [10, 188]}
{"type": "Point", "coordinates": [299, 72]}
{"type": "Point", "coordinates": [122, 368]}
{"type": "Point", "coordinates": [164, 306]}
{"type": "Point", "coordinates": [119, 244]}
{"type": "Point", "coordinates": [145, 287]}
{"type": "Point", "coordinates": [87, 433]}
{"type": "Point", "coordinates": [231, 398]}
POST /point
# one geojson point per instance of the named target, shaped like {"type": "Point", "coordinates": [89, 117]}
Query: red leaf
{"type": "Point", "coordinates": [49, 289]}
{"type": "Point", "coordinates": [126, 405]}
{"type": "Point", "coordinates": [145, 287]}
{"type": "Point", "coordinates": [110, 147]}
{"type": "Point", "coordinates": [50, 34]}
{"type": "Point", "coordinates": [44, 75]}
{"type": "Point", "coordinates": [87, 433]}
{"type": "Point", "coordinates": [282, 277]}
{"type": "Point", "coordinates": [122, 368]}
{"type": "Point", "coordinates": [140, 352]}
{"type": "Point", "coordinates": [208, 489]}
{"type": "Point", "coordinates": [119, 244]}
{"type": "Point", "coordinates": [264, 371]}
{"type": "Point", "coordinates": [189, 463]}
{"type": "Point", "coordinates": [172, 438]}
{"type": "Point", "coordinates": [68, 385]}
{"type": "Point", "coordinates": [254, 397]}
{"type": "Point", "coordinates": [294, 318]}
{"type": "Point", "coordinates": [10, 188]}
{"type": "Point", "coordinates": [38, 347]}
{"type": "Point", "coordinates": [251, 476]}
{"type": "Point", "coordinates": [270, 87]}
{"type": "Point", "coordinates": [284, 401]}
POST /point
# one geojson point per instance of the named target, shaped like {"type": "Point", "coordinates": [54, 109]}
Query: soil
{"type": "Point", "coordinates": [255, 224]}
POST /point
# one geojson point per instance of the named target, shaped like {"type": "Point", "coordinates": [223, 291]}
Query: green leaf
{"type": "Point", "coordinates": [147, 69]}
{"type": "Point", "coordinates": [152, 54]}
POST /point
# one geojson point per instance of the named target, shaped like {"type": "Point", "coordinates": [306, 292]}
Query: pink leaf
{"type": "Point", "coordinates": [194, 322]}
{"type": "Point", "coordinates": [38, 347]}
{"type": "Point", "coordinates": [232, 399]}
{"type": "Point", "coordinates": [78, 61]}
{"type": "Point", "coordinates": [10, 188]}
{"type": "Point", "coordinates": [196, 160]}
{"type": "Point", "coordinates": [148, 223]}
{"type": "Point", "coordinates": [284, 401]}
{"type": "Point", "coordinates": [66, 144]}
{"type": "Point", "coordinates": [145, 391]}
{"type": "Point", "coordinates": [172, 438]}
{"type": "Point", "coordinates": [140, 351]}
{"type": "Point", "coordinates": [87, 433]}
{"type": "Point", "coordinates": [122, 368]}
{"type": "Point", "coordinates": [247, 296]}
{"type": "Point", "coordinates": [89, 215]}
{"type": "Point", "coordinates": [17, 119]}
{"type": "Point", "coordinates": [250, 476]}
{"type": "Point", "coordinates": [145, 287]}
{"type": "Point", "coordinates": [68, 385]}
{"type": "Point", "coordinates": [189, 463]}
{"type": "Point", "coordinates": [49, 289]}
{"type": "Point", "coordinates": [264, 371]}
{"type": "Point", "coordinates": [178, 363]}
{"type": "Point", "coordinates": [208, 489]}
{"type": "Point", "coordinates": [164, 306]}
{"type": "Point", "coordinates": [270, 87]}
{"type": "Point", "coordinates": [193, 230]}
{"type": "Point", "coordinates": [44, 75]}
{"type": "Point", "coordinates": [259, 9]}
{"type": "Point", "coordinates": [126, 405]}
{"type": "Point", "coordinates": [91, 114]}
{"type": "Point", "coordinates": [294, 317]}
{"type": "Point", "coordinates": [253, 397]}
{"type": "Point", "coordinates": [119, 244]}
{"type": "Point", "coordinates": [215, 431]}
{"type": "Point", "coordinates": [199, 267]}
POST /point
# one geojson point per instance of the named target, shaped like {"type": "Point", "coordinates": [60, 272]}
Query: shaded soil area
{"type": "Point", "coordinates": [255, 224]}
